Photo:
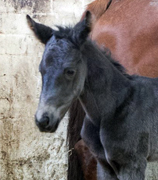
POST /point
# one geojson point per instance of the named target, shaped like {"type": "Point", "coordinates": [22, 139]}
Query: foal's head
{"type": "Point", "coordinates": [62, 68]}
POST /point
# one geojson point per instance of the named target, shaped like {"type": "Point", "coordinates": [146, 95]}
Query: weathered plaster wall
{"type": "Point", "coordinates": [25, 153]}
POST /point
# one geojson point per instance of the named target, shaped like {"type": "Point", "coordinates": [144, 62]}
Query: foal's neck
{"type": "Point", "coordinates": [105, 87]}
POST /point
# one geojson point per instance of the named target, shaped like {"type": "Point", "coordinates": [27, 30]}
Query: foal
{"type": "Point", "coordinates": [121, 126]}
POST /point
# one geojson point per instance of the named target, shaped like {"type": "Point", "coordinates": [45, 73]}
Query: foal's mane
{"type": "Point", "coordinates": [118, 66]}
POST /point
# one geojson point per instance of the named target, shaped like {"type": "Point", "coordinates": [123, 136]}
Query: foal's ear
{"type": "Point", "coordinates": [42, 32]}
{"type": "Point", "coordinates": [82, 29]}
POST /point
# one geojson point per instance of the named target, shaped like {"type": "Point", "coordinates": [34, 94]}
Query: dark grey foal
{"type": "Point", "coordinates": [121, 123]}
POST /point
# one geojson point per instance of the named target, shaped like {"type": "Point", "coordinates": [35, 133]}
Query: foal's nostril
{"type": "Point", "coordinates": [43, 122]}
{"type": "Point", "coordinates": [46, 122]}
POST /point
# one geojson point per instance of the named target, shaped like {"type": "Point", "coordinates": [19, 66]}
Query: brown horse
{"type": "Point", "coordinates": [130, 30]}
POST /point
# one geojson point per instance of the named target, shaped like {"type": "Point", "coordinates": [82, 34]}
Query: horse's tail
{"type": "Point", "coordinates": [76, 116]}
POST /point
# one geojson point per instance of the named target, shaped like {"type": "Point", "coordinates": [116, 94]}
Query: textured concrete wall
{"type": "Point", "coordinates": [25, 153]}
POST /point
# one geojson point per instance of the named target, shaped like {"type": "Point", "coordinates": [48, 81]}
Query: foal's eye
{"type": "Point", "coordinates": [70, 73]}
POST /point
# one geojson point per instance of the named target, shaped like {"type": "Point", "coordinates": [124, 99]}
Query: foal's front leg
{"type": "Point", "coordinates": [105, 172]}
{"type": "Point", "coordinates": [90, 135]}
{"type": "Point", "coordinates": [133, 170]}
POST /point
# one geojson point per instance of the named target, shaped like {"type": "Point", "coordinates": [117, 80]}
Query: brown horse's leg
{"type": "Point", "coordinates": [76, 116]}
{"type": "Point", "coordinates": [87, 160]}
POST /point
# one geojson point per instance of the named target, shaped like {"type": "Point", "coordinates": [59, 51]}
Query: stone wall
{"type": "Point", "coordinates": [25, 153]}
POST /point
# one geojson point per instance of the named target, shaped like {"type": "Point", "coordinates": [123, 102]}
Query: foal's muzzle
{"type": "Point", "coordinates": [47, 123]}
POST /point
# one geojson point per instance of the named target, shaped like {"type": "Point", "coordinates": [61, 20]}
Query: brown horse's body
{"type": "Point", "coordinates": [129, 28]}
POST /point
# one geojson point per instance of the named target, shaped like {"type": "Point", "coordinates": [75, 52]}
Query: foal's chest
{"type": "Point", "coordinates": [90, 135]}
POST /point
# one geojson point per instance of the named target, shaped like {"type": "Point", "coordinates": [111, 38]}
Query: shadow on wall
{"type": "Point", "coordinates": [34, 6]}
